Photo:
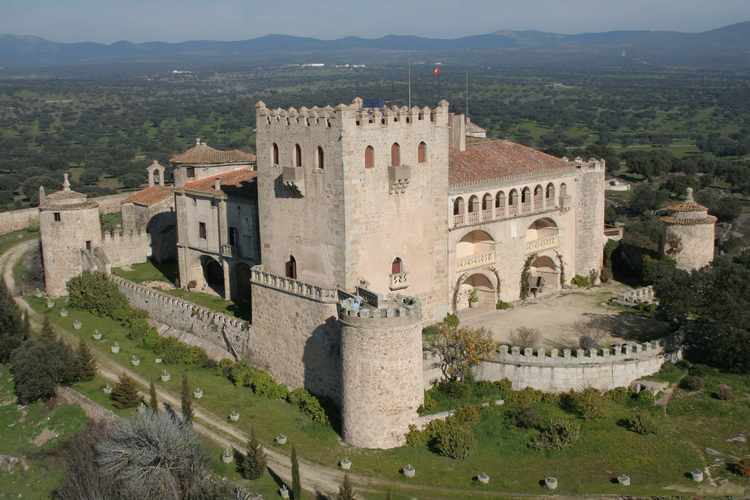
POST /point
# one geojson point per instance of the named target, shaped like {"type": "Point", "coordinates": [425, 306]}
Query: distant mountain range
{"type": "Point", "coordinates": [728, 45]}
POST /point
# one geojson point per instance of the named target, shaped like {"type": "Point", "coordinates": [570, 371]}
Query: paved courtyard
{"type": "Point", "coordinates": [562, 319]}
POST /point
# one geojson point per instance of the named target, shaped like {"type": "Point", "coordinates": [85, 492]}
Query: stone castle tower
{"type": "Point", "coordinates": [589, 215]}
{"type": "Point", "coordinates": [356, 196]}
{"type": "Point", "coordinates": [689, 234]}
{"type": "Point", "coordinates": [70, 234]}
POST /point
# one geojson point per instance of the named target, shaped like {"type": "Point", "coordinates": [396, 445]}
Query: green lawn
{"type": "Point", "coordinates": [605, 449]}
{"type": "Point", "coordinates": [10, 239]}
{"type": "Point", "coordinates": [18, 428]}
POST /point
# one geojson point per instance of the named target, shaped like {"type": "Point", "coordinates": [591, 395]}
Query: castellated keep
{"type": "Point", "coordinates": [351, 229]}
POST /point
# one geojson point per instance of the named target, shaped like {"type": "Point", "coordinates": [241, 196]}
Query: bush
{"type": "Point", "coordinates": [526, 417]}
{"type": "Point", "coordinates": [416, 438]}
{"type": "Point", "coordinates": [502, 305]}
{"type": "Point", "coordinates": [642, 423]}
{"type": "Point", "coordinates": [253, 464]}
{"type": "Point", "coordinates": [525, 397]}
{"type": "Point", "coordinates": [581, 281]}
{"type": "Point", "coordinates": [309, 405]}
{"type": "Point", "coordinates": [429, 404]}
{"type": "Point", "coordinates": [587, 404]}
{"type": "Point", "coordinates": [524, 337]}
{"type": "Point", "coordinates": [36, 371]}
{"type": "Point", "coordinates": [698, 370]}
{"type": "Point", "coordinates": [173, 351]}
{"type": "Point", "coordinates": [645, 398]}
{"type": "Point", "coordinates": [454, 389]}
{"type": "Point", "coordinates": [263, 385]}
{"type": "Point", "coordinates": [96, 293]}
{"type": "Point", "coordinates": [618, 395]}
{"type": "Point", "coordinates": [725, 393]}
{"type": "Point", "coordinates": [125, 393]}
{"type": "Point", "coordinates": [558, 434]}
{"type": "Point", "coordinates": [692, 383]}
{"type": "Point", "coordinates": [468, 415]}
{"type": "Point", "coordinates": [454, 440]}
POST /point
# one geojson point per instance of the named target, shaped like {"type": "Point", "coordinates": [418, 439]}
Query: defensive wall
{"type": "Point", "coordinates": [15, 220]}
{"type": "Point", "coordinates": [124, 248]}
{"type": "Point", "coordinates": [564, 370]}
{"type": "Point", "coordinates": [230, 333]}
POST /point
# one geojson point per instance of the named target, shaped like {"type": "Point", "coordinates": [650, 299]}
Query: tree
{"type": "Point", "coordinates": [253, 464]}
{"type": "Point", "coordinates": [296, 483]}
{"type": "Point", "coordinates": [346, 491]}
{"type": "Point", "coordinates": [86, 362]}
{"type": "Point", "coordinates": [26, 326]}
{"type": "Point", "coordinates": [459, 349]}
{"type": "Point", "coordinates": [186, 401]}
{"type": "Point", "coordinates": [36, 371]}
{"type": "Point", "coordinates": [125, 393]}
{"type": "Point", "coordinates": [12, 327]}
{"type": "Point", "coordinates": [48, 333]}
{"type": "Point", "coordinates": [153, 401]}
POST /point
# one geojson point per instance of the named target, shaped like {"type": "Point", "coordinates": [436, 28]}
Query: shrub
{"type": "Point", "coordinates": [725, 393]}
{"type": "Point", "coordinates": [525, 397]}
{"type": "Point", "coordinates": [505, 386]}
{"type": "Point", "coordinates": [526, 337]}
{"type": "Point", "coordinates": [501, 305]}
{"type": "Point", "coordinates": [416, 438]}
{"type": "Point", "coordinates": [97, 294]}
{"type": "Point", "coordinates": [587, 404]}
{"type": "Point", "coordinates": [263, 385]}
{"type": "Point", "coordinates": [526, 417]}
{"type": "Point", "coordinates": [36, 371]}
{"type": "Point", "coordinates": [85, 362]}
{"type": "Point", "coordinates": [468, 415]}
{"type": "Point", "coordinates": [429, 404]}
{"type": "Point", "coordinates": [642, 423]}
{"type": "Point", "coordinates": [645, 398]}
{"type": "Point", "coordinates": [454, 440]}
{"type": "Point", "coordinates": [698, 370]}
{"type": "Point", "coordinates": [309, 405]}
{"type": "Point", "coordinates": [558, 434]}
{"type": "Point", "coordinates": [581, 281]}
{"type": "Point", "coordinates": [11, 324]}
{"type": "Point", "coordinates": [618, 395]}
{"type": "Point", "coordinates": [587, 342]}
{"type": "Point", "coordinates": [454, 389]}
{"type": "Point", "coordinates": [174, 352]}
{"type": "Point", "coordinates": [253, 464]}
{"type": "Point", "coordinates": [125, 393]}
{"type": "Point", "coordinates": [692, 383]}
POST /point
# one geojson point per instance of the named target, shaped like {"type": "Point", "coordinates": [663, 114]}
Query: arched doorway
{"type": "Point", "coordinates": [291, 268]}
{"type": "Point", "coordinates": [213, 275]}
{"type": "Point", "coordinates": [544, 275]}
{"type": "Point", "coordinates": [475, 249]}
{"type": "Point", "coordinates": [241, 288]}
{"type": "Point", "coordinates": [475, 291]}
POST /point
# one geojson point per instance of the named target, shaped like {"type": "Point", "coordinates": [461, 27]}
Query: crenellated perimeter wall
{"type": "Point", "coordinates": [562, 371]}
{"type": "Point", "coordinates": [229, 333]}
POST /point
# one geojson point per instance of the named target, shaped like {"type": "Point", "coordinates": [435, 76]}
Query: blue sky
{"type": "Point", "coordinates": [176, 20]}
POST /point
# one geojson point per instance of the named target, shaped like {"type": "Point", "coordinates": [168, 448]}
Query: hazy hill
{"type": "Point", "coordinates": [727, 45]}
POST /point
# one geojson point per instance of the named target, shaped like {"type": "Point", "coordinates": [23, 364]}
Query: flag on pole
{"type": "Point", "coordinates": [436, 72]}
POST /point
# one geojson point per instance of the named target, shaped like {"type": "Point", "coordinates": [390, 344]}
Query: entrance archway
{"type": "Point", "coordinates": [213, 275]}
{"type": "Point", "coordinates": [475, 291]}
{"type": "Point", "coordinates": [544, 275]}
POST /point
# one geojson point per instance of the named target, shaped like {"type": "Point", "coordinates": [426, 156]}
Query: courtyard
{"type": "Point", "coordinates": [563, 318]}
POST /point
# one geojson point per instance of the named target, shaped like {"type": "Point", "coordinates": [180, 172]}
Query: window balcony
{"type": "Point", "coordinates": [399, 177]}
{"type": "Point", "coordinates": [227, 250]}
{"type": "Point", "coordinates": [543, 243]}
{"type": "Point", "coordinates": [458, 220]}
{"type": "Point", "coordinates": [474, 261]}
{"type": "Point", "coordinates": [294, 177]}
{"type": "Point", "coordinates": [487, 215]}
{"type": "Point", "coordinates": [473, 218]}
{"type": "Point", "coordinates": [399, 281]}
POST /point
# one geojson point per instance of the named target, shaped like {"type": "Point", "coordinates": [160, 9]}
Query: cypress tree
{"type": "Point", "coordinates": [125, 393]}
{"type": "Point", "coordinates": [48, 333]}
{"type": "Point", "coordinates": [11, 324]}
{"type": "Point", "coordinates": [296, 483]}
{"type": "Point", "coordinates": [346, 491]}
{"type": "Point", "coordinates": [253, 464]}
{"type": "Point", "coordinates": [26, 326]}
{"type": "Point", "coordinates": [86, 362]}
{"type": "Point", "coordinates": [186, 401]}
{"type": "Point", "coordinates": [153, 403]}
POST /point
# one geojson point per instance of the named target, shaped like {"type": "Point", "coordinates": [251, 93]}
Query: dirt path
{"type": "Point", "coordinates": [315, 478]}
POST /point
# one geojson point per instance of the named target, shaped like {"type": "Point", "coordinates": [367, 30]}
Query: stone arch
{"type": "Point", "coordinates": [542, 229]}
{"type": "Point", "coordinates": [458, 206]}
{"type": "Point", "coordinates": [544, 274]}
{"type": "Point", "coordinates": [297, 155]}
{"type": "Point", "coordinates": [550, 192]}
{"type": "Point", "coordinates": [395, 155]}
{"type": "Point", "coordinates": [369, 157]}
{"type": "Point", "coordinates": [422, 152]}
{"type": "Point", "coordinates": [486, 283]}
{"type": "Point", "coordinates": [513, 201]}
{"type": "Point", "coordinates": [291, 268]}
{"type": "Point", "coordinates": [538, 196]}
{"type": "Point", "coordinates": [487, 202]}
{"type": "Point", "coordinates": [275, 153]}
{"type": "Point", "coordinates": [213, 275]}
{"type": "Point", "coordinates": [320, 158]}
{"type": "Point", "coordinates": [397, 266]}
{"type": "Point", "coordinates": [526, 199]}
{"type": "Point", "coordinates": [473, 204]}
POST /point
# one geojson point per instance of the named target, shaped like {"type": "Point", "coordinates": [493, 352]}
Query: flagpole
{"type": "Point", "coordinates": [409, 84]}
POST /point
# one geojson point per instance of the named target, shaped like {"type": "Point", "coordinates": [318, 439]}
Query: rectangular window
{"type": "Point", "coordinates": [57, 217]}
{"type": "Point", "coordinates": [88, 245]}
{"type": "Point", "coordinates": [202, 230]}
{"type": "Point", "coordinates": [191, 172]}
{"type": "Point", "coordinates": [233, 236]}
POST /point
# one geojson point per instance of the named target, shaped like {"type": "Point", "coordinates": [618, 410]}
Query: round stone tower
{"type": "Point", "coordinates": [689, 234]}
{"type": "Point", "coordinates": [70, 232]}
{"type": "Point", "coordinates": [382, 382]}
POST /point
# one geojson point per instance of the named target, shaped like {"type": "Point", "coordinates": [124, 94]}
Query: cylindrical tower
{"type": "Point", "coordinates": [689, 234]}
{"type": "Point", "coordinates": [70, 227]}
{"type": "Point", "coordinates": [382, 382]}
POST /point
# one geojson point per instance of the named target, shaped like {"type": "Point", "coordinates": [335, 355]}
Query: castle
{"type": "Point", "coordinates": [352, 229]}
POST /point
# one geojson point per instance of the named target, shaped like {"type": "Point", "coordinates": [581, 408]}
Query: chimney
{"type": "Point", "coordinates": [66, 182]}
{"type": "Point", "coordinates": [42, 195]}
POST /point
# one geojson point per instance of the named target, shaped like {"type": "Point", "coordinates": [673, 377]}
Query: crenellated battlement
{"type": "Point", "coordinates": [295, 287]}
{"type": "Point", "coordinates": [329, 117]}
{"type": "Point", "coordinates": [569, 357]}
{"type": "Point", "coordinates": [400, 307]}
{"type": "Point", "coordinates": [590, 164]}
{"type": "Point", "coordinates": [115, 237]}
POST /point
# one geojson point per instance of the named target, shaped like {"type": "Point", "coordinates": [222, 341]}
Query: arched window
{"type": "Point", "coordinates": [563, 190]}
{"type": "Point", "coordinates": [473, 204]}
{"type": "Point", "coordinates": [422, 152]}
{"type": "Point", "coordinates": [500, 200]}
{"type": "Point", "coordinates": [397, 266]}
{"type": "Point", "coordinates": [513, 200]}
{"type": "Point", "coordinates": [321, 158]}
{"type": "Point", "coordinates": [395, 155]}
{"type": "Point", "coordinates": [550, 191]}
{"type": "Point", "coordinates": [275, 153]}
{"type": "Point", "coordinates": [458, 206]}
{"type": "Point", "coordinates": [369, 157]}
{"type": "Point", "coordinates": [297, 155]}
{"type": "Point", "coordinates": [487, 202]}
{"type": "Point", "coordinates": [291, 268]}
{"type": "Point", "coordinates": [525, 196]}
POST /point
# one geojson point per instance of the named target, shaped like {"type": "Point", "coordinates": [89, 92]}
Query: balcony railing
{"type": "Point", "coordinates": [458, 220]}
{"type": "Point", "coordinates": [477, 216]}
{"type": "Point", "coordinates": [487, 214]}
{"type": "Point", "coordinates": [399, 281]}
{"type": "Point", "coordinates": [542, 243]}
{"type": "Point", "coordinates": [472, 261]}
{"type": "Point", "coordinates": [227, 250]}
{"type": "Point", "coordinates": [472, 217]}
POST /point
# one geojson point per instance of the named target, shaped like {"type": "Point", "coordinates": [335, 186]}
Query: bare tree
{"type": "Point", "coordinates": [524, 337]}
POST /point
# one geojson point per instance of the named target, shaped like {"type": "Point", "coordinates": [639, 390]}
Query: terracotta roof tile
{"type": "Point", "coordinates": [203, 154]}
{"type": "Point", "coordinates": [489, 159]}
{"type": "Point", "coordinates": [150, 196]}
{"type": "Point", "coordinates": [234, 178]}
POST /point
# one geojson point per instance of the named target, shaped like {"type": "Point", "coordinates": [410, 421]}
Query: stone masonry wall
{"type": "Point", "coordinates": [296, 335]}
{"type": "Point", "coordinates": [697, 242]}
{"type": "Point", "coordinates": [204, 323]}
{"type": "Point", "coordinates": [555, 371]}
{"type": "Point", "coordinates": [126, 248]}
{"type": "Point", "coordinates": [589, 209]}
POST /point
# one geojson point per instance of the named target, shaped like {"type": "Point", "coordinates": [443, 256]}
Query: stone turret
{"type": "Point", "coordinates": [381, 378]}
{"type": "Point", "coordinates": [689, 233]}
{"type": "Point", "coordinates": [70, 234]}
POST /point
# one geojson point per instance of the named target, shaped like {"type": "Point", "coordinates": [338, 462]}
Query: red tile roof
{"type": "Point", "coordinates": [203, 154]}
{"type": "Point", "coordinates": [234, 178]}
{"type": "Point", "coordinates": [150, 196]}
{"type": "Point", "coordinates": [490, 159]}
